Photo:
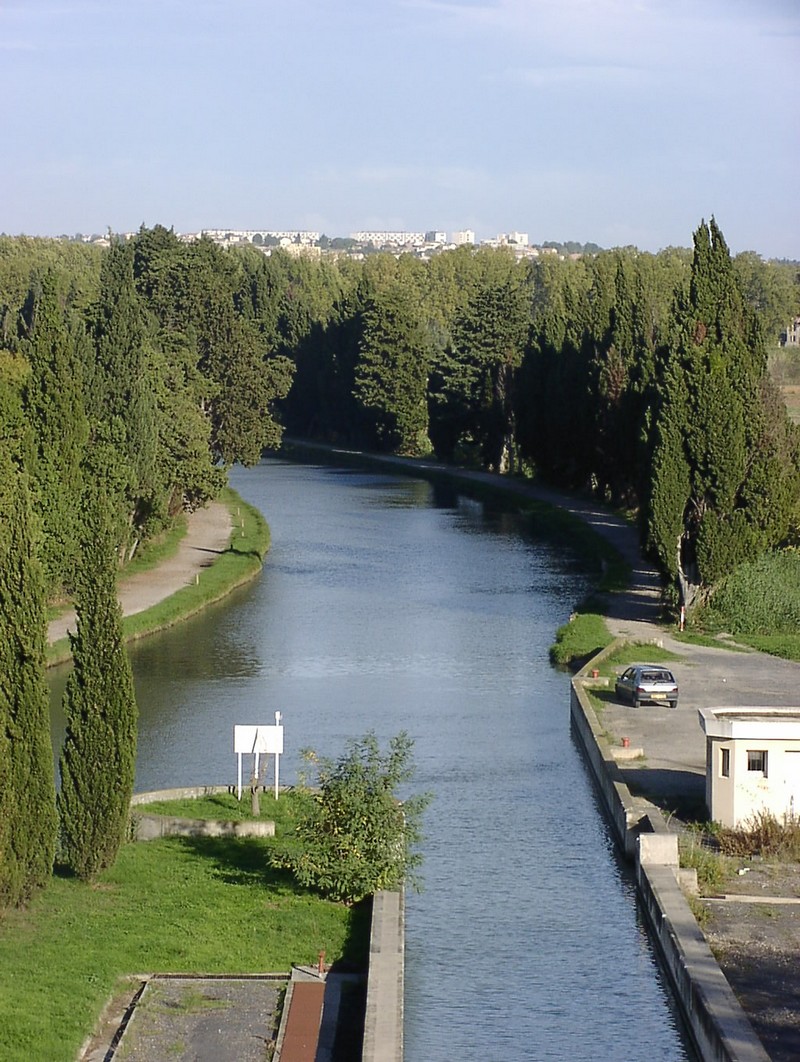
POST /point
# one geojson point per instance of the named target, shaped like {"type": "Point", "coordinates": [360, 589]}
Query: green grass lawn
{"type": "Point", "coordinates": [199, 905]}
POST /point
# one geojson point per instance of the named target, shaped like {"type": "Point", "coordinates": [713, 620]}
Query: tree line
{"type": "Point", "coordinates": [131, 378]}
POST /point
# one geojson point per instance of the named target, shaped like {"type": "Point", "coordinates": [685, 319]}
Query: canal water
{"type": "Point", "coordinates": [391, 604]}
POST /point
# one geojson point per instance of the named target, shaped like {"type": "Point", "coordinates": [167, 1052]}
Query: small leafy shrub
{"type": "Point", "coordinates": [357, 837]}
{"type": "Point", "coordinates": [764, 835]}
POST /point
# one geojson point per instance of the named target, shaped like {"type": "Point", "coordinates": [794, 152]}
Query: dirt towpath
{"type": "Point", "coordinates": [208, 534]}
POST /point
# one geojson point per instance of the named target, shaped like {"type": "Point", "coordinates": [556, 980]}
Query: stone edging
{"type": "Point", "coordinates": [150, 827]}
{"type": "Point", "coordinates": [383, 1022]}
{"type": "Point", "coordinates": [717, 1023]}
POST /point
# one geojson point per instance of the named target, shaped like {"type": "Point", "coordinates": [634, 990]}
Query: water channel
{"type": "Point", "coordinates": [388, 604]}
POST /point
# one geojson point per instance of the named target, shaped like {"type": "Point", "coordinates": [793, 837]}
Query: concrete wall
{"type": "Point", "coordinates": [383, 1023]}
{"type": "Point", "coordinates": [713, 1015]}
{"type": "Point", "coordinates": [149, 827]}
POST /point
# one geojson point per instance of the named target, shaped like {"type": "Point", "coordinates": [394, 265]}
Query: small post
{"type": "Point", "coordinates": [321, 963]}
{"type": "Point", "coordinates": [277, 756]}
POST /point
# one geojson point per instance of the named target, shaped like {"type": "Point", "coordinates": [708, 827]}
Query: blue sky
{"type": "Point", "coordinates": [615, 121]}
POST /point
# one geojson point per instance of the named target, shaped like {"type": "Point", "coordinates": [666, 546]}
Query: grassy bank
{"type": "Point", "coordinates": [194, 905]}
{"type": "Point", "coordinates": [242, 561]}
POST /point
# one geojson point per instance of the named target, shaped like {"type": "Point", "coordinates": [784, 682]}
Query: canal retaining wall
{"type": "Point", "coordinates": [383, 1021]}
{"type": "Point", "coordinates": [717, 1024]}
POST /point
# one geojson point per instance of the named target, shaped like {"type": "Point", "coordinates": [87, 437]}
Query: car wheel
{"type": "Point", "coordinates": [636, 702]}
{"type": "Point", "coordinates": [673, 704]}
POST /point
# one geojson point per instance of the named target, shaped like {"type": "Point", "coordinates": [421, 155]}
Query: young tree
{"type": "Point", "coordinates": [358, 837]}
{"type": "Point", "coordinates": [27, 788]}
{"type": "Point", "coordinates": [99, 755]}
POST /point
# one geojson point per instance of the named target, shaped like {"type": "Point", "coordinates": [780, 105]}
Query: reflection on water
{"type": "Point", "coordinates": [390, 604]}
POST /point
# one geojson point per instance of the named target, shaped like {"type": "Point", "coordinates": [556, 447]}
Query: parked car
{"type": "Point", "coordinates": [647, 682]}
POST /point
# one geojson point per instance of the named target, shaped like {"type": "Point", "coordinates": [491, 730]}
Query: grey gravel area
{"type": "Point", "coordinates": [203, 1020]}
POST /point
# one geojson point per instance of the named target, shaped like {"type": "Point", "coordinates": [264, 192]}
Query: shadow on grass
{"type": "Point", "coordinates": [242, 861]}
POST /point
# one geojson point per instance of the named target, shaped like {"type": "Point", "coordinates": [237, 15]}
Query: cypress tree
{"type": "Point", "coordinates": [56, 351]}
{"type": "Point", "coordinates": [27, 788]}
{"type": "Point", "coordinates": [99, 755]}
{"type": "Point", "coordinates": [724, 479]}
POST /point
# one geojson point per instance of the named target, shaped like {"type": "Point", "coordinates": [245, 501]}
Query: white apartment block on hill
{"type": "Point", "coordinates": [389, 239]}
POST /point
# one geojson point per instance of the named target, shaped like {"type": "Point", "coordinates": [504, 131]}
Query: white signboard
{"type": "Point", "coordinates": [258, 741]}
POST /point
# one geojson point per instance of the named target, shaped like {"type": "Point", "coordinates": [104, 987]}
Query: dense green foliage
{"type": "Point", "coordinates": [357, 837]}
{"type": "Point", "coordinates": [149, 366]}
{"type": "Point", "coordinates": [759, 597]}
{"type": "Point", "coordinates": [27, 790]}
{"type": "Point", "coordinates": [725, 478]}
{"type": "Point", "coordinates": [639, 377]}
{"type": "Point", "coordinates": [98, 758]}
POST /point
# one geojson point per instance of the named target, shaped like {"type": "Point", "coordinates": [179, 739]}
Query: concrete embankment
{"type": "Point", "coordinates": [383, 1023]}
{"type": "Point", "coordinates": [717, 1024]}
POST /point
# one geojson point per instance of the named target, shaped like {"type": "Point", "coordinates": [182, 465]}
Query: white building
{"type": "Point", "coordinates": [460, 238]}
{"type": "Point", "coordinates": [752, 762]}
{"type": "Point", "coordinates": [389, 239]}
{"type": "Point", "coordinates": [232, 236]}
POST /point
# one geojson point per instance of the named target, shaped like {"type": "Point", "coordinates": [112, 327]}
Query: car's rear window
{"type": "Point", "coordinates": [657, 676]}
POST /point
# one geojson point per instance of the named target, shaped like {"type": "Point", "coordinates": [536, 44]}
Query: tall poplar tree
{"type": "Point", "coordinates": [27, 788]}
{"type": "Point", "coordinates": [724, 478]}
{"type": "Point", "coordinates": [391, 373]}
{"type": "Point", "coordinates": [98, 759]}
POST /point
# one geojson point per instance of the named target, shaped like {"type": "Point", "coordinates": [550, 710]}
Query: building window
{"type": "Point", "coordinates": [725, 763]}
{"type": "Point", "coordinates": [757, 760]}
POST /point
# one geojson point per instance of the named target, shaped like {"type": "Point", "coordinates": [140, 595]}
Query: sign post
{"type": "Point", "coordinates": [257, 741]}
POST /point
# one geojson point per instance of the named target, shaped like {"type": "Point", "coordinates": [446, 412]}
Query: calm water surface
{"type": "Point", "coordinates": [390, 604]}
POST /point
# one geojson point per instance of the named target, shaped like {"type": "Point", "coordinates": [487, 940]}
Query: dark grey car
{"type": "Point", "coordinates": [651, 683]}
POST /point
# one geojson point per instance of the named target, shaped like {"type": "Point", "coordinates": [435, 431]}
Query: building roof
{"type": "Point", "coordinates": [751, 721]}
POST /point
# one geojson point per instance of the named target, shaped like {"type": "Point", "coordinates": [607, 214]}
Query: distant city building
{"type": "Point", "coordinates": [389, 239]}
{"type": "Point", "coordinates": [229, 236]}
{"type": "Point", "coordinates": [509, 239]}
{"type": "Point", "coordinates": [422, 244]}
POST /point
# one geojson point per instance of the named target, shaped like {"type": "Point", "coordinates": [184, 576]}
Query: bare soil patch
{"type": "Point", "coordinates": [757, 945]}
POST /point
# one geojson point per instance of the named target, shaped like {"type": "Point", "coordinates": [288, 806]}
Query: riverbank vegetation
{"type": "Point", "coordinates": [354, 836]}
{"type": "Point", "coordinates": [198, 905]}
{"type": "Point", "coordinates": [758, 604]}
{"type": "Point", "coordinates": [643, 379]}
